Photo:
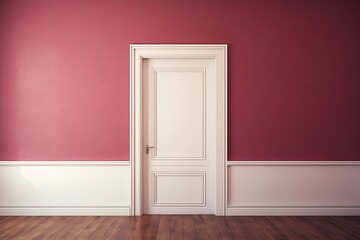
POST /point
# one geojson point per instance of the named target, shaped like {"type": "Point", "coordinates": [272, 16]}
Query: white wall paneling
{"type": "Point", "coordinates": [293, 188]}
{"type": "Point", "coordinates": [65, 188]}
{"type": "Point", "coordinates": [254, 188]}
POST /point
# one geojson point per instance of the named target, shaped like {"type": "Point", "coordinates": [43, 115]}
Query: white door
{"type": "Point", "coordinates": [179, 124]}
{"type": "Point", "coordinates": [178, 109]}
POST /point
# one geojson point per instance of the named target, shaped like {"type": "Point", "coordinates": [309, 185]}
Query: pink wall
{"type": "Point", "coordinates": [294, 75]}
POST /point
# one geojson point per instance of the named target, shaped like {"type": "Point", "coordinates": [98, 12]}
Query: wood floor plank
{"type": "Point", "coordinates": [200, 228]}
{"type": "Point", "coordinates": [351, 229]}
{"type": "Point", "coordinates": [211, 227]}
{"type": "Point", "coordinates": [56, 223]}
{"type": "Point", "coordinates": [14, 226]}
{"type": "Point", "coordinates": [64, 231]}
{"type": "Point", "coordinates": [329, 230]}
{"type": "Point", "coordinates": [114, 229]}
{"type": "Point", "coordinates": [139, 229]}
{"type": "Point", "coordinates": [80, 227]}
{"type": "Point", "coordinates": [176, 230]}
{"type": "Point", "coordinates": [127, 228]}
{"type": "Point", "coordinates": [103, 228]}
{"type": "Point", "coordinates": [164, 228]}
{"type": "Point", "coordinates": [179, 227]}
{"type": "Point", "coordinates": [3, 219]}
{"type": "Point", "coordinates": [245, 226]}
{"type": "Point", "coordinates": [188, 227]}
{"type": "Point", "coordinates": [90, 229]}
{"type": "Point", "coordinates": [32, 229]}
{"type": "Point", "coordinates": [224, 228]}
{"type": "Point", "coordinates": [72, 228]}
{"type": "Point", "coordinates": [305, 229]}
{"type": "Point", "coordinates": [320, 226]}
{"type": "Point", "coordinates": [11, 225]}
{"type": "Point", "coordinates": [264, 228]}
{"type": "Point", "coordinates": [237, 229]}
{"type": "Point", "coordinates": [152, 228]}
{"type": "Point", "coordinates": [276, 229]}
{"type": "Point", "coordinates": [20, 231]}
{"type": "Point", "coordinates": [354, 223]}
{"type": "Point", "coordinates": [284, 229]}
{"type": "Point", "coordinates": [259, 229]}
{"type": "Point", "coordinates": [289, 228]}
{"type": "Point", "coordinates": [45, 227]}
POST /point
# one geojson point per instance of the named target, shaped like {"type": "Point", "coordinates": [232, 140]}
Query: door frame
{"type": "Point", "coordinates": [138, 52]}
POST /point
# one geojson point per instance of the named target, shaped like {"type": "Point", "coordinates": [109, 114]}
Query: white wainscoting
{"type": "Point", "coordinates": [104, 188]}
{"type": "Point", "coordinates": [293, 188]}
{"type": "Point", "coordinates": [65, 188]}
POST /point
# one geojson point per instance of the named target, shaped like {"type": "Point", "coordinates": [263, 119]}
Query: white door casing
{"type": "Point", "coordinates": [179, 106]}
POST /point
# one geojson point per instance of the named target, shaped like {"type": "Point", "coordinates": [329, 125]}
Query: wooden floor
{"type": "Point", "coordinates": [179, 227]}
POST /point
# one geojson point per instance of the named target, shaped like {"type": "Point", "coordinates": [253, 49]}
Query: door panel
{"type": "Point", "coordinates": [166, 195]}
{"type": "Point", "coordinates": [179, 113]}
{"type": "Point", "coordinates": [179, 95]}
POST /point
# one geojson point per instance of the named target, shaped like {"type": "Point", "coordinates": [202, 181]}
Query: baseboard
{"type": "Point", "coordinates": [293, 211]}
{"type": "Point", "coordinates": [65, 211]}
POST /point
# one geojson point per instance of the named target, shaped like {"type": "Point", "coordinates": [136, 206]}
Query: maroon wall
{"type": "Point", "coordinates": [294, 75]}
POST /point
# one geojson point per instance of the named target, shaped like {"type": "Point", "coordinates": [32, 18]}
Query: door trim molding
{"type": "Point", "coordinates": [138, 52]}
